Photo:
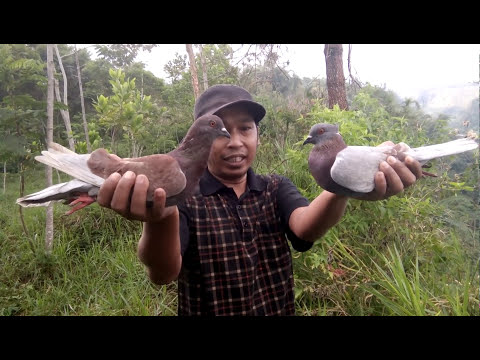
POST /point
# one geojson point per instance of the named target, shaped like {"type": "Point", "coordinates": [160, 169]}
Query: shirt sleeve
{"type": "Point", "coordinates": [289, 199]}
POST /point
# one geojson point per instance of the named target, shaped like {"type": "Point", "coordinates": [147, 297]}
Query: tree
{"type": "Point", "coordinates": [50, 72]}
{"type": "Point", "coordinates": [193, 71]}
{"type": "Point", "coordinates": [151, 85]}
{"type": "Point", "coordinates": [96, 76]}
{"type": "Point", "coordinates": [335, 78]}
{"type": "Point", "coordinates": [64, 112]}
{"type": "Point", "coordinates": [82, 102]}
{"type": "Point", "coordinates": [121, 55]}
{"type": "Point", "coordinates": [178, 95]}
{"type": "Point", "coordinates": [259, 63]}
{"type": "Point", "coordinates": [204, 68]}
{"type": "Point", "coordinates": [21, 80]}
{"type": "Point", "coordinates": [126, 114]}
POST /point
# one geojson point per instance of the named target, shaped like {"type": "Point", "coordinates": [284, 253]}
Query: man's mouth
{"type": "Point", "coordinates": [234, 158]}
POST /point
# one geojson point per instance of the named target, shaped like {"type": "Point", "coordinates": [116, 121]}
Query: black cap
{"type": "Point", "coordinates": [220, 96]}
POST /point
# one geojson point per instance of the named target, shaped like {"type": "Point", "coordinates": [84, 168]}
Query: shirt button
{"type": "Point", "coordinates": [239, 207]}
{"type": "Point", "coordinates": [245, 224]}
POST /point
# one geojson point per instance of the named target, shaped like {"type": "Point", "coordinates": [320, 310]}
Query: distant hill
{"type": "Point", "coordinates": [460, 102]}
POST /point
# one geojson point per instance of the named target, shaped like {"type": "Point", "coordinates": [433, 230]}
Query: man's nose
{"type": "Point", "coordinates": [235, 140]}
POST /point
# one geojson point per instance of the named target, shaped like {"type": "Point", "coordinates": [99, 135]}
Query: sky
{"type": "Point", "coordinates": [405, 69]}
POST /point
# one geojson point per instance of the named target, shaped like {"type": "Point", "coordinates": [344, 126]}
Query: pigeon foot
{"type": "Point", "coordinates": [82, 201]}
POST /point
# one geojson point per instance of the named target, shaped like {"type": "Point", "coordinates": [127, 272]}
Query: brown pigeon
{"type": "Point", "coordinates": [177, 172]}
{"type": "Point", "coordinates": [350, 170]}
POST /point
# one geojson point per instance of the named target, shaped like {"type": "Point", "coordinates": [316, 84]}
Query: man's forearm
{"type": "Point", "coordinates": [312, 222]}
{"type": "Point", "coordinates": [159, 249]}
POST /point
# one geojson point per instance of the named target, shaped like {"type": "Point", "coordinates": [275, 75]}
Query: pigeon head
{"type": "Point", "coordinates": [207, 128]}
{"type": "Point", "coordinates": [320, 133]}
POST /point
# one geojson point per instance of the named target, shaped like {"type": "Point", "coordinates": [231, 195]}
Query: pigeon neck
{"type": "Point", "coordinates": [193, 156]}
{"type": "Point", "coordinates": [195, 148]}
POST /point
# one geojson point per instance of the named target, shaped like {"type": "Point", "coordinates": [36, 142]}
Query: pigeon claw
{"type": "Point", "coordinates": [82, 201]}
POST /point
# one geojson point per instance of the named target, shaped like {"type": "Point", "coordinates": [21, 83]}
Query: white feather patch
{"type": "Point", "coordinates": [429, 152]}
{"type": "Point", "coordinates": [355, 167]}
{"type": "Point", "coordinates": [70, 163]}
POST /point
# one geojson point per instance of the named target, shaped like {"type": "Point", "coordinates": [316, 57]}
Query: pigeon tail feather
{"type": "Point", "coordinates": [425, 153]}
{"type": "Point", "coordinates": [57, 192]}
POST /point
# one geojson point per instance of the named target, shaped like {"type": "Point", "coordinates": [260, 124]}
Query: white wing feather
{"type": "Point", "coordinates": [70, 163]}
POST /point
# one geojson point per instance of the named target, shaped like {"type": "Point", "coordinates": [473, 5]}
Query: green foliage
{"type": "Point", "coordinates": [176, 68]}
{"type": "Point", "coordinates": [147, 83]}
{"type": "Point", "coordinates": [120, 55]}
{"type": "Point", "coordinates": [217, 62]}
{"type": "Point", "coordinates": [93, 134]}
{"type": "Point", "coordinates": [126, 113]}
{"type": "Point", "coordinates": [96, 81]}
{"type": "Point", "coordinates": [21, 114]}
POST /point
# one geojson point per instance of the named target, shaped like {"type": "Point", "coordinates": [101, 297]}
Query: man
{"type": "Point", "coordinates": [227, 244]}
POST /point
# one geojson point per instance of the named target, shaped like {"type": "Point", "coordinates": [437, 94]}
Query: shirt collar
{"type": "Point", "coordinates": [210, 184]}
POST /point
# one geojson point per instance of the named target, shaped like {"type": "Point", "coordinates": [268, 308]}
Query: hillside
{"type": "Point", "coordinates": [459, 102]}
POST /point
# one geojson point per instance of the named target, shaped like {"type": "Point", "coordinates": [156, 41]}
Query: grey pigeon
{"type": "Point", "coordinates": [350, 170]}
{"type": "Point", "coordinates": [177, 172]}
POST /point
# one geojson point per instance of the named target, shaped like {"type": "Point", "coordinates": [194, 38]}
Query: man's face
{"type": "Point", "coordinates": [230, 158]}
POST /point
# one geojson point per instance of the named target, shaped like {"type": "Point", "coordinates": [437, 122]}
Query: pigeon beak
{"type": "Point", "coordinates": [225, 133]}
{"type": "Point", "coordinates": [308, 140]}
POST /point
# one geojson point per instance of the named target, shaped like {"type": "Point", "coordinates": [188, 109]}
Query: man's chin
{"type": "Point", "coordinates": [233, 174]}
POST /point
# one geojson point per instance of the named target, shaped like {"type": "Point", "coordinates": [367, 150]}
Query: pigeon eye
{"type": "Point", "coordinates": [320, 131]}
{"type": "Point", "coordinates": [212, 123]}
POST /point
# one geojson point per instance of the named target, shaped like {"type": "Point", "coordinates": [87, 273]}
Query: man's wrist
{"type": "Point", "coordinates": [336, 197]}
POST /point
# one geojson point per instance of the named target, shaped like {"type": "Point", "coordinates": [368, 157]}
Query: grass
{"type": "Point", "coordinates": [381, 282]}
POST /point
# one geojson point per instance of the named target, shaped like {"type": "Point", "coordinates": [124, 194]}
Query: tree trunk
{"type": "Point", "coordinates": [65, 113]}
{"type": "Point", "coordinates": [193, 70]}
{"type": "Point", "coordinates": [204, 68]}
{"type": "Point", "coordinates": [20, 209]}
{"type": "Point", "coordinates": [48, 170]}
{"type": "Point", "coordinates": [82, 103]}
{"type": "Point", "coordinates": [141, 90]}
{"type": "Point", "coordinates": [4, 176]}
{"type": "Point", "coordinates": [335, 79]}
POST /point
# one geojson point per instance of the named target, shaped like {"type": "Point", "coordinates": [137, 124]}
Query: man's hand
{"type": "Point", "coordinates": [115, 194]}
{"type": "Point", "coordinates": [394, 176]}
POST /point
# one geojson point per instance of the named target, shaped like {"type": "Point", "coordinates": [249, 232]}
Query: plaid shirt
{"type": "Point", "coordinates": [236, 258]}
